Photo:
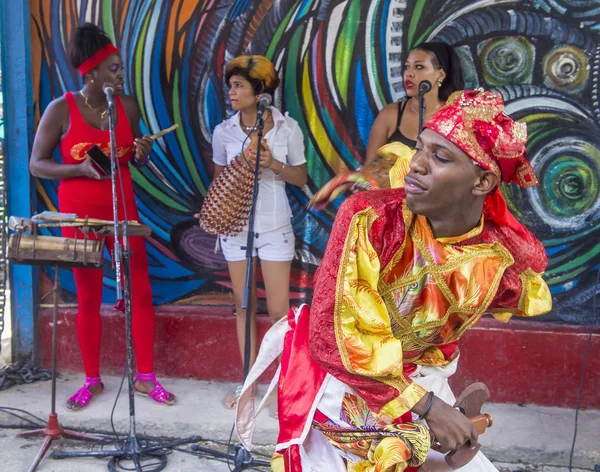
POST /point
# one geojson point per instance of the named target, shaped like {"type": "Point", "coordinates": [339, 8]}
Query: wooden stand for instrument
{"type": "Point", "coordinates": [62, 252]}
{"type": "Point", "coordinates": [53, 430]}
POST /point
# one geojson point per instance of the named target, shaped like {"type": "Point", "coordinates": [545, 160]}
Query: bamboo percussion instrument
{"type": "Point", "coordinates": [86, 249]}
{"type": "Point", "coordinates": [35, 249]}
{"type": "Point", "coordinates": [163, 132]}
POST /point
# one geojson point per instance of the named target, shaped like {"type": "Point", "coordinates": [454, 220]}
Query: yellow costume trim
{"type": "Point", "coordinates": [502, 315]}
{"type": "Point", "coordinates": [350, 287]}
{"type": "Point", "coordinates": [403, 155]}
{"type": "Point", "coordinates": [277, 463]}
{"type": "Point", "coordinates": [535, 298]}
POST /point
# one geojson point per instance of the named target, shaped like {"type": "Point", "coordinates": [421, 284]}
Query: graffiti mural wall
{"type": "Point", "coordinates": [340, 62]}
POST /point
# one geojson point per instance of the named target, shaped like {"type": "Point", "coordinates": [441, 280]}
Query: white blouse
{"type": "Point", "coordinates": [286, 143]}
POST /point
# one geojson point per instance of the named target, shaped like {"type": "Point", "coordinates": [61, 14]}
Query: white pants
{"type": "Point", "coordinates": [277, 245]}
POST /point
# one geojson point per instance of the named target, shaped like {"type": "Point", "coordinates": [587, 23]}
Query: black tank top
{"type": "Point", "coordinates": [397, 136]}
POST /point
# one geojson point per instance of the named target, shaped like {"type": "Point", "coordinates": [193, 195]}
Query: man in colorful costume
{"type": "Point", "coordinates": [406, 272]}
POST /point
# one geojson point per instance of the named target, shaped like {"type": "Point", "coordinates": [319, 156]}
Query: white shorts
{"type": "Point", "coordinates": [277, 245]}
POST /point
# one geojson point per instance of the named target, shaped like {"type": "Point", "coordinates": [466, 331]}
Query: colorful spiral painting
{"type": "Point", "coordinates": [340, 62]}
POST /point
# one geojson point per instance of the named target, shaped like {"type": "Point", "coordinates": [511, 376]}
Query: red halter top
{"type": "Point", "coordinates": [80, 137]}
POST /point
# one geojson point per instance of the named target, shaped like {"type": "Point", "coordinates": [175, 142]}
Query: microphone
{"type": "Point", "coordinates": [263, 102]}
{"type": "Point", "coordinates": [109, 91]}
{"type": "Point", "coordinates": [424, 87]}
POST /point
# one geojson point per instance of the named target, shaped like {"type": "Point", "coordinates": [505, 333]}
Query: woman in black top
{"type": "Point", "coordinates": [399, 122]}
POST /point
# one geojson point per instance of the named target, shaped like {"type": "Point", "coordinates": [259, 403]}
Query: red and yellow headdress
{"type": "Point", "coordinates": [474, 120]}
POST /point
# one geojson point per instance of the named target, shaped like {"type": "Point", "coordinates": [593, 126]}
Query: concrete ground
{"type": "Point", "coordinates": [523, 438]}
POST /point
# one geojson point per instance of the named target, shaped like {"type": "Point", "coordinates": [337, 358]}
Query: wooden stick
{"type": "Point", "coordinates": [163, 132]}
{"type": "Point", "coordinates": [65, 220]}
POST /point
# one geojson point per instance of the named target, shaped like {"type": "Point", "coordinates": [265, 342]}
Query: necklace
{"type": "Point", "coordinates": [95, 110]}
{"type": "Point", "coordinates": [251, 129]}
{"type": "Point", "coordinates": [412, 108]}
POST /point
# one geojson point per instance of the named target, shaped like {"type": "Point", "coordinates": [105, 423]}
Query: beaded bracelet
{"type": "Point", "coordinates": [429, 403]}
{"type": "Point", "coordinates": [139, 164]}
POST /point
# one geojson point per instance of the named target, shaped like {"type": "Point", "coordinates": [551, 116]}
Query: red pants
{"type": "Point", "coordinates": [88, 283]}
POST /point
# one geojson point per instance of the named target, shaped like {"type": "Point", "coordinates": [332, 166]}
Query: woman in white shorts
{"type": "Point", "coordinates": [282, 161]}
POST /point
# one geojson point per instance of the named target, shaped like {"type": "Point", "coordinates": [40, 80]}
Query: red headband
{"type": "Point", "coordinates": [96, 59]}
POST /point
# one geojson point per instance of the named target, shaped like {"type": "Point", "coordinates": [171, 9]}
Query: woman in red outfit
{"type": "Point", "coordinates": [74, 123]}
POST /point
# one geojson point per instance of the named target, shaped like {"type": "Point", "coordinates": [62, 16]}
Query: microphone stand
{"type": "Point", "coordinates": [151, 458]}
{"type": "Point", "coordinates": [421, 109]}
{"type": "Point", "coordinates": [247, 295]}
{"type": "Point", "coordinates": [242, 458]}
{"type": "Point", "coordinates": [424, 87]}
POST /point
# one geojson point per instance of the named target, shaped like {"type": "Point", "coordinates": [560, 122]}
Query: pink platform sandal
{"type": "Point", "coordinates": [83, 396]}
{"type": "Point", "coordinates": [158, 393]}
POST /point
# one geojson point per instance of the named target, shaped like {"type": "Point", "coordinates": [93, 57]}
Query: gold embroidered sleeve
{"type": "Point", "coordinates": [362, 325]}
{"type": "Point", "coordinates": [535, 298]}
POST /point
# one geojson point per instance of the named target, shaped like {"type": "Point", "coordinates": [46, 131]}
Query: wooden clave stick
{"type": "Point", "coordinates": [163, 132]}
